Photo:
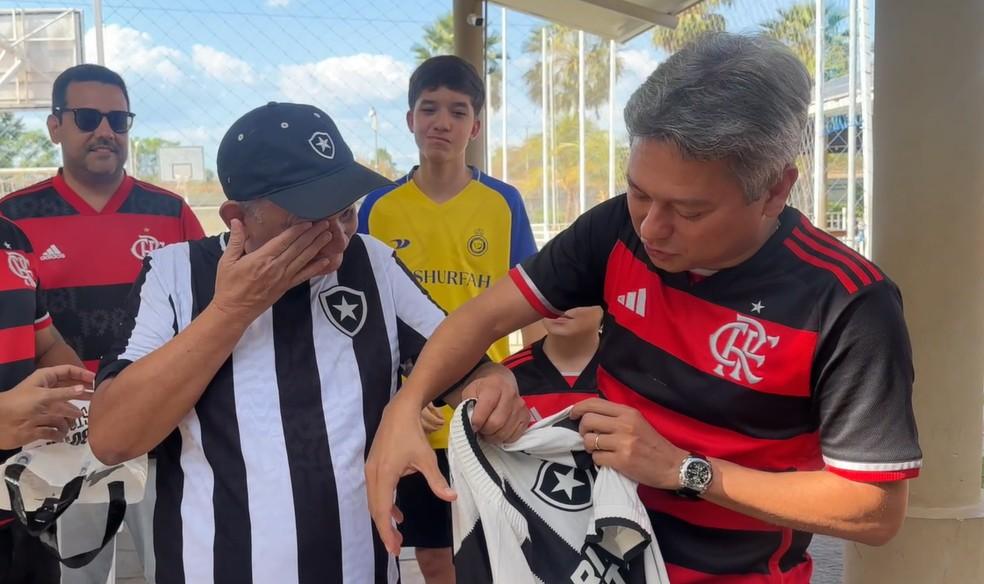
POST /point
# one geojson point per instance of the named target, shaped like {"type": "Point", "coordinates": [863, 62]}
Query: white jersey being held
{"type": "Point", "coordinates": [537, 511]}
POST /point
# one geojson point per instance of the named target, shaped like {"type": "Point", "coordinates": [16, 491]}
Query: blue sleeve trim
{"type": "Point", "coordinates": [365, 209]}
{"type": "Point", "coordinates": [521, 242]}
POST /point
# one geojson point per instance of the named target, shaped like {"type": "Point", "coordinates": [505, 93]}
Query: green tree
{"type": "Point", "coordinates": [384, 164]}
{"type": "Point", "coordinates": [794, 26]}
{"type": "Point", "coordinates": [439, 40]}
{"type": "Point", "coordinates": [692, 24]}
{"type": "Point", "coordinates": [562, 46]}
{"type": "Point", "coordinates": [20, 148]}
{"type": "Point", "coordinates": [526, 168]}
{"type": "Point", "coordinates": [145, 152]}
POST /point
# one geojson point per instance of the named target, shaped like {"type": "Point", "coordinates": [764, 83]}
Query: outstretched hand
{"type": "Point", "coordinates": [39, 408]}
{"type": "Point", "coordinates": [399, 448]}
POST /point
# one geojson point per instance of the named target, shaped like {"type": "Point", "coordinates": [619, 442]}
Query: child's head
{"type": "Point", "coordinates": [446, 96]}
{"type": "Point", "coordinates": [575, 322]}
{"type": "Point", "coordinates": [450, 72]}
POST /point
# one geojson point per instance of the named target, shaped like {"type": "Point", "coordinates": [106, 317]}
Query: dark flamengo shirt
{"type": "Point", "coordinates": [22, 314]}
{"type": "Point", "coordinates": [546, 390]}
{"type": "Point", "coordinates": [89, 259]}
{"type": "Point", "coordinates": [796, 359]}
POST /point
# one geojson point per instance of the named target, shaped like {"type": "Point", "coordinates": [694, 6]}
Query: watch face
{"type": "Point", "coordinates": [697, 474]}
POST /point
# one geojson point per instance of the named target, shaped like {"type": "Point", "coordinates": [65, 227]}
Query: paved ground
{"type": "Point", "coordinates": [828, 560]}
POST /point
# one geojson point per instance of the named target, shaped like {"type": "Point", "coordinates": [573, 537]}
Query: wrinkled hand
{"type": "Point", "coordinates": [500, 414]}
{"type": "Point", "coordinates": [38, 407]}
{"type": "Point", "coordinates": [431, 418]}
{"type": "Point", "coordinates": [619, 437]}
{"type": "Point", "coordinates": [399, 448]}
{"type": "Point", "coordinates": [248, 284]}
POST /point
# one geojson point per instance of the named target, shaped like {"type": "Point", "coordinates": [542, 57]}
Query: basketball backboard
{"type": "Point", "coordinates": [35, 46]}
{"type": "Point", "coordinates": [182, 163]}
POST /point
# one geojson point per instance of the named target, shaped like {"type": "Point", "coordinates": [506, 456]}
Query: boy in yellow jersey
{"type": "Point", "coordinates": [458, 231]}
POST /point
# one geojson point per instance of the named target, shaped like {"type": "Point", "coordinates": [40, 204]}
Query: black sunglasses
{"type": "Point", "coordinates": [88, 119]}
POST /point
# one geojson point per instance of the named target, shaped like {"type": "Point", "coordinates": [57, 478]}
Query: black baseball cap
{"type": "Point", "coordinates": [293, 155]}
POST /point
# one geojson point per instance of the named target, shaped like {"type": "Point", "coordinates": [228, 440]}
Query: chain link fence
{"type": "Point", "coordinates": [193, 67]}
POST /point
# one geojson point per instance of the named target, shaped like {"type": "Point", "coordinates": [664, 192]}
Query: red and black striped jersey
{"type": "Point", "coordinates": [22, 311]}
{"type": "Point", "coordinates": [546, 390]}
{"type": "Point", "coordinates": [89, 259]}
{"type": "Point", "coordinates": [796, 359]}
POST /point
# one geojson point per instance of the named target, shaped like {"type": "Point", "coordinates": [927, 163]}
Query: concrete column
{"type": "Point", "coordinates": [928, 214]}
{"type": "Point", "coordinates": [469, 44]}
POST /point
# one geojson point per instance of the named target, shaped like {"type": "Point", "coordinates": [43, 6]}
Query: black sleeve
{"type": "Point", "coordinates": [570, 270]}
{"type": "Point", "coordinates": [40, 302]}
{"type": "Point", "coordinates": [150, 322]}
{"type": "Point", "coordinates": [863, 389]}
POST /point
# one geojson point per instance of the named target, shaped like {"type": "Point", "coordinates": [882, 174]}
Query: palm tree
{"type": "Point", "coordinates": [439, 40]}
{"type": "Point", "coordinates": [692, 24]}
{"type": "Point", "coordinates": [525, 170]}
{"type": "Point", "coordinates": [564, 50]}
{"type": "Point", "coordinates": [794, 26]}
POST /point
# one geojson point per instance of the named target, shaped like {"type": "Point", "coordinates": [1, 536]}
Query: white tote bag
{"type": "Point", "coordinates": [45, 478]}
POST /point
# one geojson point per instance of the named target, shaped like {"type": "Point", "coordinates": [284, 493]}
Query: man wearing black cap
{"type": "Point", "coordinates": [261, 360]}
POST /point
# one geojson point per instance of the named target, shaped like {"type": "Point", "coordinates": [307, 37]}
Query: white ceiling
{"type": "Point", "coordinates": [620, 20]}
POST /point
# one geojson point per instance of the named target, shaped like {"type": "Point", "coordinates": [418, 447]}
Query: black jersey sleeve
{"type": "Point", "coordinates": [41, 316]}
{"type": "Point", "coordinates": [151, 319]}
{"type": "Point", "coordinates": [570, 270]}
{"type": "Point", "coordinates": [863, 388]}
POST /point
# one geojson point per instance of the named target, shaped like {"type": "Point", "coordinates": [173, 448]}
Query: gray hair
{"type": "Point", "coordinates": [252, 208]}
{"type": "Point", "coordinates": [726, 96]}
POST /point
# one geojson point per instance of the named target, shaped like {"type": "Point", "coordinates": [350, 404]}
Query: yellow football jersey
{"type": "Point", "coordinates": [455, 249]}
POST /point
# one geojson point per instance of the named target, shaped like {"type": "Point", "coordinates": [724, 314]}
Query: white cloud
{"type": "Point", "coordinates": [277, 3]}
{"type": "Point", "coordinates": [222, 66]}
{"type": "Point", "coordinates": [128, 50]}
{"type": "Point", "coordinates": [638, 64]}
{"type": "Point", "coordinates": [354, 79]}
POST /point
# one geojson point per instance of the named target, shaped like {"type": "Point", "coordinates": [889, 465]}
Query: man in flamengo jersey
{"type": "Point", "coordinates": [559, 370]}
{"type": "Point", "coordinates": [34, 393]}
{"type": "Point", "coordinates": [757, 372]}
{"type": "Point", "coordinates": [91, 226]}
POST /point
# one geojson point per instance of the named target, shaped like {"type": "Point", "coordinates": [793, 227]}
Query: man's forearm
{"type": "Point", "coordinates": [137, 409]}
{"type": "Point", "coordinates": [464, 336]}
{"type": "Point", "coordinates": [449, 354]}
{"type": "Point", "coordinates": [58, 354]}
{"type": "Point", "coordinates": [817, 501]}
{"type": "Point", "coordinates": [486, 369]}
{"type": "Point", "coordinates": [51, 349]}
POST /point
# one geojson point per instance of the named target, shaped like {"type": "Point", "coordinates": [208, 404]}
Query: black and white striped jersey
{"type": "Point", "coordinates": [537, 511]}
{"type": "Point", "coordinates": [263, 480]}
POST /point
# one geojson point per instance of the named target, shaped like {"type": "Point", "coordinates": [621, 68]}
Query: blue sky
{"type": "Point", "coordinates": [194, 66]}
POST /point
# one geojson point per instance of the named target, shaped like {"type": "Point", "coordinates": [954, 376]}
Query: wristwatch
{"type": "Point", "coordinates": [695, 476]}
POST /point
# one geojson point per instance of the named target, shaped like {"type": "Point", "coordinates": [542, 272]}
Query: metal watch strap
{"type": "Point", "coordinates": [685, 491]}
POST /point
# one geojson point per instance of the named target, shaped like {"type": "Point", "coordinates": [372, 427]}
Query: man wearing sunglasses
{"type": "Point", "coordinates": [91, 225]}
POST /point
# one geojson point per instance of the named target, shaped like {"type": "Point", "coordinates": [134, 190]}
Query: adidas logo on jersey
{"type": "Point", "coordinates": [634, 301]}
{"type": "Point", "coordinates": [52, 253]}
